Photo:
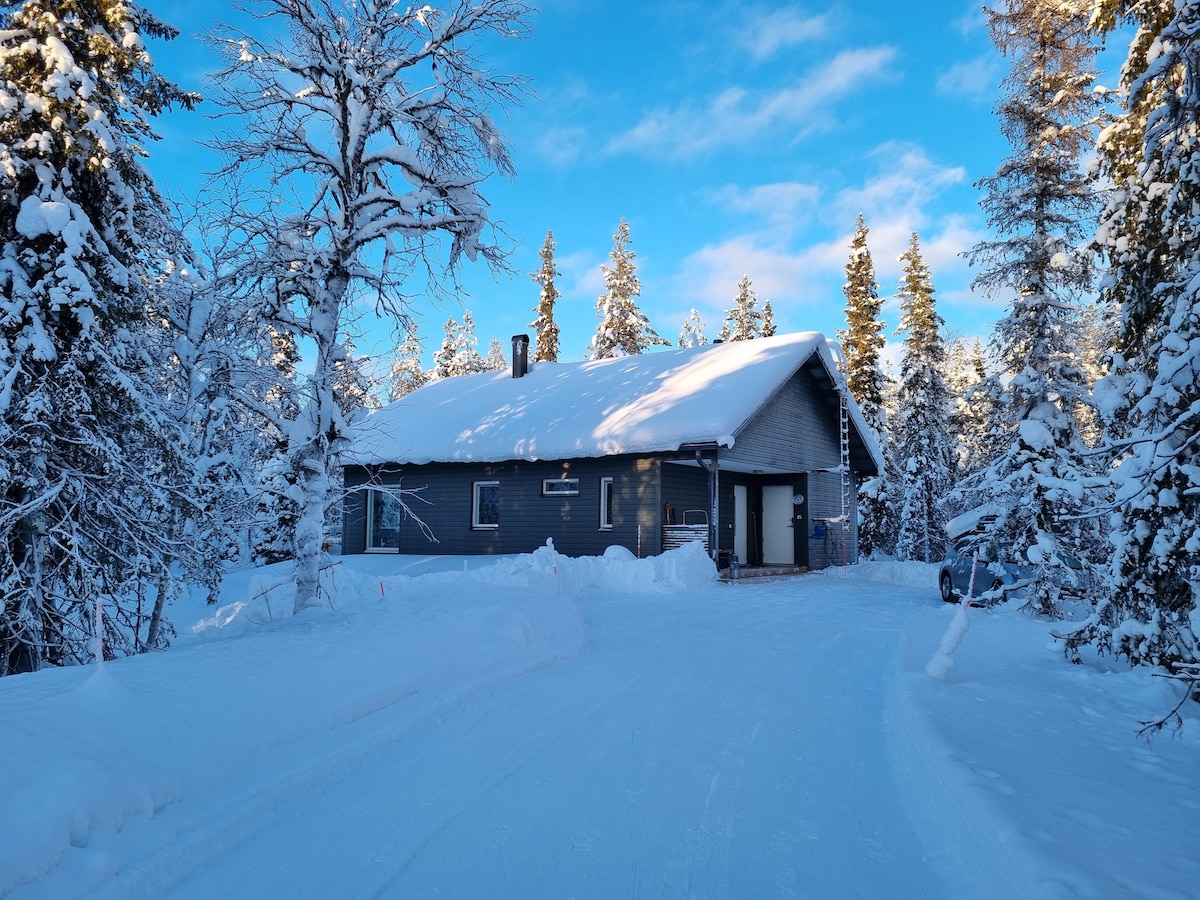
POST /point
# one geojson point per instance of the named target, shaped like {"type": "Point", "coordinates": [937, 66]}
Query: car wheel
{"type": "Point", "coordinates": [947, 588]}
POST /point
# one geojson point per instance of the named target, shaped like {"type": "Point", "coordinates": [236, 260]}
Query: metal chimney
{"type": "Point", "coordinates": [520, 357]}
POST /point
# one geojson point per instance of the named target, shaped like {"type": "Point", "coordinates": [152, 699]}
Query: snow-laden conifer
{"type": "Point", "coordinates": [920, 438]}
{"type": "Point", "coordinates": [692, 333]}
{"type": "Point", "coordinates": [93, 473]}
{"type": "Point", "coordinates": [544, 327]}
{"type": "Point", "coordinates": [407, 372]}
{"type": "Point", "coordinates": [862, 340]}
{"type": "Point", "coordinates": [743, 320]}
{"type": "Point", "coordinates": [1151, 398]}
{"type": "Point", "coordinates": [372, 122]}
{"type": "Point", "coordinates": [622, 329]}
{"type": "Point", "coordinates": [1042, 205]}
{"type": "Point", "coordinates": [459, 353]}
{"type": "Point", "coordinates": [768, 327]}
{"type": "Point", "coordinates": [496, 359]}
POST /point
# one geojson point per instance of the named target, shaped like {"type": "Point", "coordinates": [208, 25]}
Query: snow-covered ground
{"type": "Point", "coordinates": [538, 726]}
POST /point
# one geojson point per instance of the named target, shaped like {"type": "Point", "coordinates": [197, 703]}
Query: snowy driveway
{"type": "Point", "coordinates": [483, 736]}
{"type": "Point", "coordinates": [730, 746]}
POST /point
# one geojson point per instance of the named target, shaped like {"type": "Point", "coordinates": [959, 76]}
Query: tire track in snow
{"type": "Point", "coordinates": [198, 844]}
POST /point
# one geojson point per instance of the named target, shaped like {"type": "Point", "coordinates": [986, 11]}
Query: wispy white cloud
{"type": "Point", "coordinates": [900, 197]}
{"type": "Point", "coordinates": [974, 79]}
{"type": "Point", "coordinates": [906, 183]}
{"type": "Point", "coordinates": [580, 274]}
{"type": "Point", "coordinates": [971, 19]}
{"type": "Point", "coordinates": [738, 116]}
{"type": "Point", "coordinates": [781, 206]}
{"type": "Point", "coordinates": [563, 145]}
{"type": "Point", "coordinates": [765, 33]}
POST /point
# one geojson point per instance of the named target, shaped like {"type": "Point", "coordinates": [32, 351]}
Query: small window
{"type": "Point", "coordinates": [560, 487]}
{"type": "Point", "coordinates": [485, 504]}
{"type": "Point", "coordinates": [606, 504]}
{"type": "Point", "coordinates": [383, 521]}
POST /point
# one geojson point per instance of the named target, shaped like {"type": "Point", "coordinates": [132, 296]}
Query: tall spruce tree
{"type": "Point", "coordinates": [862, 340]}
{"type": "Point", "coordinates": [1043, 206]}
{"type": "Point", "coordinates": [91, 468]}
{"type": "Point", "coordinates": [921, 436]}
{"type": "Point", "coordinates": [744, 320]}
{"type": "Point", "coordinates": [544, 327]}
{"type": "Point", "coordinates": [623, 329]}
{"type": "Point", "coordinates": [1151, 399]}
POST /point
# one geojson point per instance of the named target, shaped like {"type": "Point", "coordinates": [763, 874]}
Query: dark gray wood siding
{"type": "Point", "coordinates": [442, 495]}
{"type": "Point", "coordinates": [798, 431]}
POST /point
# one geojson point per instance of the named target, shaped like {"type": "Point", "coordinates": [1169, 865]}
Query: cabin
{"type": "Point", "coordinates": [752, 447]}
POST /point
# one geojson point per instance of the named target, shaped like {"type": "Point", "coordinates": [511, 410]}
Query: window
{"type": "Point", "coordinates": [485, 504]}
{"type": "Point", "coordinates": [383, 521]}
{"type": "Point", "coordinates": [606, 504]}
{"type": "Point", "coordinates": [560, 487]}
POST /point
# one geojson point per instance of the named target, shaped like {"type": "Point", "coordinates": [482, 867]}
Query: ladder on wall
{"type": "Point", "coordinates": [849, 507]}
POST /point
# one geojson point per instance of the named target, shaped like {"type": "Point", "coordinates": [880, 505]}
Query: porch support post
{"type": "Point", "coordinates": [714, 503]}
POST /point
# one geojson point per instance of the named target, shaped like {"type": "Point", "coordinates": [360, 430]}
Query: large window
{"type": "Point", "coordinates": [606, 504]}
{"type": "Point", "coordinates": [383, 521]}
{"type": "Point", "coordinates": [485, 504]}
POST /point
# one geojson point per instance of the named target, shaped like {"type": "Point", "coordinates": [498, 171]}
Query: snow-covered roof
{"type": "Point", "coordinates": [653, 402]}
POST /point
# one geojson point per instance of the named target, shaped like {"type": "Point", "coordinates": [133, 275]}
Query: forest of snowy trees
{"type": "Point", "coordinates": [175, 390]}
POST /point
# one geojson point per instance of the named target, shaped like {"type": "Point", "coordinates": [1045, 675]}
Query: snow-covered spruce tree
{"type": "Point", "coordinates": [743, 320]}
{"type": "Point", "coordinates": [92, 477]}
{"type": "Point", "coordinates": [1151, 399]}
{"type": "Point", "coordinates": [767, 329]}
{"type": "Point", "coordinates": [458, 354]}
{"type": "Point", "coordinates": [921, 441]}
{"type": "Point", "coordinates": [378, 117]}
{"type": "Point", "coordinates": [862, 340]}
{"type": "Point", "coordinates": [496, 360]}
{"type": "Point", "coordinates": [692, 333]}
{"type": "Point", "coordinates": [623, 329]}
{"type": "Point", "coordinates": [407, 372]}
{"type": "Point", "coordinates": [277, 496]}
{"type": "Point", "coordinates": [970, 409]}
{"type": "Point", "coordinates": [354, 389]}
{"type": "Point", "coordinates": [544, 327]}
{"type": "Point", "coordinates": [1042, 205]}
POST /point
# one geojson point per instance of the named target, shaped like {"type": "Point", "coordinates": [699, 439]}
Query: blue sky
{"type": "Point", "coordinates": [735, 138]}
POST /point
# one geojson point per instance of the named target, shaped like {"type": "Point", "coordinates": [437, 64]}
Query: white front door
{"type": "Point", "coordinates": [779, 543]}
{"type": "Point", "coordinates": [739, 523]}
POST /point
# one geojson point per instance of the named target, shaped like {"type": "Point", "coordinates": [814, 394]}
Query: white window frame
{"type": "Point", "coordinates": [476, 510]}
{"type": "Point", "coordinates": [372, 497]}
{"type": "Point", "coordinates": [606, 502]}
{"type": "Point", "coordinates": [560, 487]}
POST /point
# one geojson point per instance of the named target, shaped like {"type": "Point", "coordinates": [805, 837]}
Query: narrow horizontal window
{"type": "Point", "coordinates": [485, 504]}
{"type": "Point", "coordinates": [559, 487]}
